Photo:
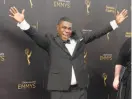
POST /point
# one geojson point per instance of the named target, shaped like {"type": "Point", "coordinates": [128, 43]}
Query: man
{"type": "Point", "coordinates": [122, 79]}
{"type": "Point", "coordinates": [68, 76]}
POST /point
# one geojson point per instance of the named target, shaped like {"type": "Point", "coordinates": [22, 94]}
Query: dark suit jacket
{"type": "Point", "coordinates": [59, 77]}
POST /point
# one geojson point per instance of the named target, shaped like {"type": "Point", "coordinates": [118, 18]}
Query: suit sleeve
{"type": "Point", "coordinates": [41, 40]}
{"type": "Point", "coordinates": [88, 37]}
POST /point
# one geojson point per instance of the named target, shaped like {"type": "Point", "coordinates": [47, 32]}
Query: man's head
{"type": "Point", "coordinates": [64, 28]}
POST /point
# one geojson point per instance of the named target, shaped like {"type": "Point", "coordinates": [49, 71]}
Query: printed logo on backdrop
{"type": "Point", "coordinates": [31, 3]}
{"type": "Point", "coordinates": [28, 54]}
{"type": "Point", "coordinates": [27, 85]}
{"type": "Point", "coordinates": [128, 34]}
{"type": "Point", "coordinates": [36, 25]}
{"type": "Point", "coordinates": [85, 56]}
{"type": "Point", "coordinates": [106, 57]}
{"type": "Point", "coordinates": [113, 10]}
{"type": "Point", "coordinates": [62, 3]}
{"type": "Point", "coordinates": [2, 57]}
{"type": "Point", "coordinates": [104, 76]}
{"type": "Point", "coordinates": [88, 4]}
{"type": "Point", "coordinates": [86, 31]}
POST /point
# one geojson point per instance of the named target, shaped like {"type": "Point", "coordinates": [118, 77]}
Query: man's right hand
{"type": "Point", "coordinates": [15, 14]}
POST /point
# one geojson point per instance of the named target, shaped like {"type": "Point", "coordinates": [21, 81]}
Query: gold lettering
{"type": "Point", "coordinates": [19, 86]}
{"type": "Point", "coordinates": [68, 5]}
{"type": "Point", "coordinates": [33, 86]}
{"type": "Point", "coordinates": [105, 57]}
{"type": "Point", "coordinates": [128, 34]}
{"type": "Point", "coordinates": [2, 58]}
{"type": "Point", "coordinates": [101, 58]}
{"type": "Point", "coordinates": [61, 4]}
{"type": "Point", "coordinates": [26, 86]}
{"type": "Point", "coordinates": [110, 9]}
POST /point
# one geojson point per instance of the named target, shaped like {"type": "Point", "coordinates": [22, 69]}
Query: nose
{"type": "Point", "coordinates": [67, 30]}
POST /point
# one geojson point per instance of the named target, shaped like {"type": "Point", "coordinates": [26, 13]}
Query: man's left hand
{"type": "Point", "coordinates": [120, 17]}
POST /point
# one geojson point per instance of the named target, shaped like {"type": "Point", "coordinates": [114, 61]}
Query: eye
{"type": "Point", "coordinates": [64, 27]}
{"type": "Point", "coordinates": [70, 28]}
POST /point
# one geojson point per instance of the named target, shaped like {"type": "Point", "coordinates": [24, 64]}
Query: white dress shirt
{"type": "Point", "coordinates": [70, 46]}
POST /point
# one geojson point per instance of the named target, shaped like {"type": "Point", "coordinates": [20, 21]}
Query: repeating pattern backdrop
{"type": "Point", "coordinates": [24, 66]}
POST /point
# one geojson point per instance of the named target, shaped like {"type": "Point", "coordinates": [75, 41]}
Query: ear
{"type": "Point", "coordinates": [57, 27]}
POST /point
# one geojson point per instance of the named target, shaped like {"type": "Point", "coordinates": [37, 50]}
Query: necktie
{"type": "Point", "coordinates": [67, 41]}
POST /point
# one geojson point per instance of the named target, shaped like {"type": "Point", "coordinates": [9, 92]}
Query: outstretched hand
{"type": "Point", "coordinates": [120, 17]}
{"type": "Point", "coordinates": [15, 14]}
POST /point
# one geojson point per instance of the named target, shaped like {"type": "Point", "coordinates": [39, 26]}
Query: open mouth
{"type": "Point", "coordinates": [66, 35]}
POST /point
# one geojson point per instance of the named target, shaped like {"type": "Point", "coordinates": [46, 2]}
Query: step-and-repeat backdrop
{"type": "Point", "coordinates": [24, 66]}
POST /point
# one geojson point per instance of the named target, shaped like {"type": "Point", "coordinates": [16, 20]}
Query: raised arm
{"type": "Point", "coordinates": [120, 17]}
{"type": "Point", "coordinates": [41, 40]}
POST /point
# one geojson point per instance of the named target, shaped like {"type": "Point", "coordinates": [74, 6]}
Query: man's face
{"type": "Point", "coordinates": [64, 29]}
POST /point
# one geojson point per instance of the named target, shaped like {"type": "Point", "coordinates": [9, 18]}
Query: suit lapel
{"type": "Point", "coordinates": [60, 43]}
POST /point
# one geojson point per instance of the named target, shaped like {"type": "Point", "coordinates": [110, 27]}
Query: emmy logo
{"type": "Point", "coordinates": [28, 54]}
{"type": "Point", "coordinates": [105, 78]}
{"type": "Point", "coordinates": [108, 38]}
{"type": "Point", "coordinates": [36, 26]}
{"type": "Point", "coordinates": [85, 56]}
{"type": "Point", "coordinates": [31, 3]}
{"type": "Point", "coordinates": [88, 3]}
{"type": "Point", "coordinates": [27, 85]}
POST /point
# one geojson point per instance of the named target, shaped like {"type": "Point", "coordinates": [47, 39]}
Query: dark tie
{"type": "Point", "coordinates": [67, 41]}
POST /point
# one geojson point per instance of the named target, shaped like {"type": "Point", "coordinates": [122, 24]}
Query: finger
{"type": "Point", "coordinates": [23, 11]}
{"type": "Point", "coordinates": [125, 13]}
{"type": "Point", "coordinates": [117, 12]}
{"type": "Point", "coordinates": [121, 13]}
{"type": "Point", "coordinates": [15, 9]}
{"type": "Point", "coordinates": [12, 10]}
{"type": "Point", "coordinates": [11, 16]}
{"type": "Point", "coordinates": [126, 17]}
